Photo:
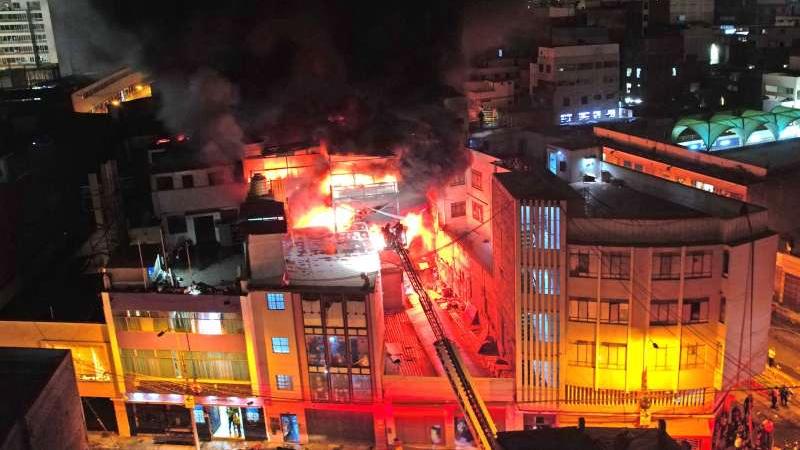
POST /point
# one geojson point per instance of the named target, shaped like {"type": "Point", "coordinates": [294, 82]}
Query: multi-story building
{"type": "Point", "coordinates": [26, 35]}
{"type": "Point", "coordinates": [111, 91]}
{"type": "Point", "coordinates": [688, 11]}
{"type": "Point", "coordinates": [743, 164]}
{"type": "Point", "coordinates": [578, 83]}
{"type": "Point", "coordinates": [195, 197]}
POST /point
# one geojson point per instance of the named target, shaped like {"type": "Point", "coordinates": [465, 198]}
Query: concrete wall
{"type": "Point", "coordinates": [748, 307]}
{"type": "Point", "coordinates": [81, 337]}
{"type": "Point", "coordinates": [56, 419]}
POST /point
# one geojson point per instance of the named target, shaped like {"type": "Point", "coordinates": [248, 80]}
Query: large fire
{"type": "Point", "coordinates": [338, 215]}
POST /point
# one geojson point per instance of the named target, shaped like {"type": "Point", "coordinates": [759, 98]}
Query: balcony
{"type": "Point", "coordinates": [187, 324]}
{"type": "Point", "coordinates": [580, 397]}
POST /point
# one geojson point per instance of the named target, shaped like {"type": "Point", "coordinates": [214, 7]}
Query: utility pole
{"type": "Point", "coordinates": [189, 400]}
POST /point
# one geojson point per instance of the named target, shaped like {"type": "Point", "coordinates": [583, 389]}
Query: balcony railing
{"type": "Point", "coordinates": [193, 325]}
{"type": "Point", "coordinates": [580, 395]}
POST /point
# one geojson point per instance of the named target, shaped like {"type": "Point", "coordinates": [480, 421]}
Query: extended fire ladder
{"type": "Point", "coordinates": [478, 418]}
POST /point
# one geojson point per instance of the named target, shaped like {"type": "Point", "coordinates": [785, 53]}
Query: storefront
{"type": "Point", "coordinates": [228, 418]}
{"type": "Point", "coordinates": [230, 422]}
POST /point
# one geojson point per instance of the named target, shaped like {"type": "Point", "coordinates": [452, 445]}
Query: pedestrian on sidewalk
{"type": "Point", "coordinates": [773, 398]}
{"type": "Point", "coordinates": [785, 395]}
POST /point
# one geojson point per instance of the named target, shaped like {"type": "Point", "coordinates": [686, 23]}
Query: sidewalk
{"type": "Point", "coordinates": [110, 441]}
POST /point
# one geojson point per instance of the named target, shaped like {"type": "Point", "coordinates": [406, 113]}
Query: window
{"type": "Point", "coordinates": [187, 181]}
{"type": "Point", "coordinates": [598, 96]}
{"type": "Point", "coordinates": [176, 224]}
{"type": "Point", "coordinates": [726, 260]}
{"type": "Point", "coordinates": [284, 382]}
{"type": "Point", "coordinates": [692, 356]}
{"type": "Point", "coordinates": [280, 345]}
{"type": "Point", "coordinates": [337, 347]}
{"type": "Point", "coordinates": [566, 118]}
{"type": "Point", "coordinates": [584, 100]}
{"type": "Point", "coordinates": [722, 306]}
{"type": "Point", "coordinates": [582, 309]}
{"type": "Point", "coordinates": [584, 353]}
{"type": "Point", "coordinates": [547, 68]}
{"type": "Point", "coordinates": [458, 209]}
{"type": "Point", "coordinates": [477, 180]}
{"type": "Point", "coordinates": [216, 178]}
{"type": "Point", "coordinates": [584, 115]}
{"type": "Point", "coordinates": [698, 265]}
{"type": "Point", "coordinates": [695, 310]}
{"type": "Point", "coordinates": [477, 211]}
{"type": "Point", "coordinates": [565, 101]}
{"type": "Point", "coordinates": [540, 227]}
{"type": "Point", "coordinates": [541, 67]}
{"type": "Point", "coordinates": [164, 183]}
{"type": "Point", "coordinates": [666, 266]}
{"type": "Point", "coordinates": [704, 186]}
{"type": "Point", "coordinates": [276, 301]}
{"type": "Point", "coordinates": [542, 281]}
{"type": "Point", "coordinates": [458, 180]}
{"type": "Point", "coordinates": [616, 266]}
{"type": "Point", "coordinates": [660, 357]}
{"type": "Point", "coordinates": [597, 114]}
{"type": "Point", "coordinates": [612, 356]}
{"type": "Point", "coordinates": [610, 64]}
{"type": "Point", "coordinates": [186, 364]}
{"type": "Point", "coordinates": [580, 264]}
{"type": "Point", "coordinates": [614, 311]}
{"type": "Point", "coordinates": [628, 88]}
{"type": "Point", "coordinates": [628, 71]}
{"type": "Point", "coordinates": [664, 312]}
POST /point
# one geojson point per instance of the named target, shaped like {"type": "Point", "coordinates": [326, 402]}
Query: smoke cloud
{"type": "Point", "coordinates": [366, 77]}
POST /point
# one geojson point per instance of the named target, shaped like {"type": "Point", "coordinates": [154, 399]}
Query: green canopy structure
{"type": "Point", "coordinates": [742, 124]}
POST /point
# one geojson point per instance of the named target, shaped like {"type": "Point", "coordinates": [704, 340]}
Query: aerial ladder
{"type": "Point", "coordinates": [478, 418]}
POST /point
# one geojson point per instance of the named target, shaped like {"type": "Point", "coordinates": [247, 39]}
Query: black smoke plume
{"type": "Point", "coordinates": [367, 77]}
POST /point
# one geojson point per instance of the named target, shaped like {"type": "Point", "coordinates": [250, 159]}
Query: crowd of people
{"type": "Point", "coordinates": [739, 427]}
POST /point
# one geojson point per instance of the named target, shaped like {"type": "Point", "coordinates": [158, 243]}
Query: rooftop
{"type": "Point", "coordinates": [740, 177]}
{"type": "Point", "coordinates": [320, 257]}
{"type": "Point", "coordinates": [24, 372]}
{"type": "Point", "coordinates": [184, 156]}
{"type": "Point", "coordinates": [612, 200]}
{"type": "Point", "coordinates": [773, 156]}
{"type": "Point", "coordinates": [537, 184]}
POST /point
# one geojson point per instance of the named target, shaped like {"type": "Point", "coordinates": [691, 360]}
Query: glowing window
{"type": "Point", "coordinates": [566, 118]}
{"type": "Point", "coordinates": [612, 356]}
{"type": "Point", "coordinates": [283, 382]}
{"type": "Point", "coordinates": [276, 301]}
{"type": "Point", "coordinates": [583, 352]}
{"type": "Point", "coordinates": [280, 345]}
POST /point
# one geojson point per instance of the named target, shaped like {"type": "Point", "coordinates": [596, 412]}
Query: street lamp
{"type": "Point", "coordinates": [189, 401]}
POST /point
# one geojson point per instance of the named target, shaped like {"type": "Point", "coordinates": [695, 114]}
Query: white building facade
{"type": "Point", "coordinates": [26, 34]}
{"type": "Point", "coordinates": [579, 83]}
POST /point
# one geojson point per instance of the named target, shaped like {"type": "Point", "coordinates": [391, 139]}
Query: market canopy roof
{"type": "Point", "coordinates": [742, 124]}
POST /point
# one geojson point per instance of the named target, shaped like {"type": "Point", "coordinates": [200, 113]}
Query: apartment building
{"type": "Point", "coordinates": [578, 83]}
{"type": "Point", "coordinates": [624, 295]}
{"type": "Point", "coordinates": [26, 34]}
{"type": "Point", "coordinates": [753, 168]}
{"type": "Point", "coordinates": [195, 196]}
